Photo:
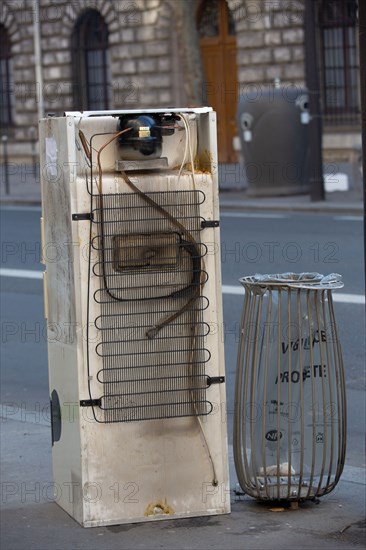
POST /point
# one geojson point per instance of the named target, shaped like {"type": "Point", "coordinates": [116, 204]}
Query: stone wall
{"type": "Point", "coordinates": [153, 50]}
{"type": "Point", "coordinates": [270, 41]}
{"type": "Point", "coordinates": [143, 55]}
{"type": "Point", "coordinates": [18, 21]}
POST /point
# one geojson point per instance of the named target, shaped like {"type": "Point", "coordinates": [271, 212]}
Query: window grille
{"type": "Point", "coordinates": [339, 62]}
{"type": "Point", "coordinates": [90, 62]}
{"type": "Point", "coordinates": [6, 84]}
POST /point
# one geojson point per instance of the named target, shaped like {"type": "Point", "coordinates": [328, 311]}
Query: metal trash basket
{"type": "Point", "coordinates": [290, 403]}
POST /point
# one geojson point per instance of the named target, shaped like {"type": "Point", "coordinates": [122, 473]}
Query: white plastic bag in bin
{"type": "Point", "coordinates": [289, 424]}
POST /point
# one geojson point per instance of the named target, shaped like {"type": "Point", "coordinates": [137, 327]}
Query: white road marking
{"type": "Point", "coordinates": [252, 215]}
{"type": "Point", "coordinates": [226, 289]}
{"type": "Point", "coordinates": [22, 273]}
{"type": "Point", "coordinates": [348, 218]}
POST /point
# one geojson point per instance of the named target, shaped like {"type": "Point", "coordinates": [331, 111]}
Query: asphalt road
{"type": "Point", "coordinates": [250, 243]}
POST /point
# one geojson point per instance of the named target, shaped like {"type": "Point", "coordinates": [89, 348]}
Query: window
{"type": "Point", "coordinates": [90, 62]}
{"type": "Point", "coordinates": [208, 22]}
{"type": "Point", "coordinates": [6, 84]}
{"type": "Point", "coordinates": [340, 65]}
{"type": "Point", "coordinates": [214, 17]}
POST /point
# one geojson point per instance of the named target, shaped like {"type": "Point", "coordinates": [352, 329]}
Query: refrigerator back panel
{"type": "Point", "coordinates": [137, 375]}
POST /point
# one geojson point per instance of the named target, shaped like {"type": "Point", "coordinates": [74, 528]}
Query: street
{"type": "Point", "coordinates": [250, 243]}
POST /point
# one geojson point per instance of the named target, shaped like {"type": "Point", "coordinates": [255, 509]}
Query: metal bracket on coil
{"type": "Point", "coordinates": [90, 402]}
{"type": "Point", "coordinates": [215, 380]}
{"type": "Point", "coordinates": [83, 216]}
{"type": "Point", "coordinates": [209, 223]}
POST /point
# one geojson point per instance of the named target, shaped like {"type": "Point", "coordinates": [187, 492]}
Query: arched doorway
{"type": "Point", "coordinates": [216, 30]}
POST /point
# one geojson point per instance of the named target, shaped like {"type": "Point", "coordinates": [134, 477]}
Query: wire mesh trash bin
{"type": "Point", "coordinates": [290, 403]}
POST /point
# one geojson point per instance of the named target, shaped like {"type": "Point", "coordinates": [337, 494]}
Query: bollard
{"type": "Point", "coordinates": [33, 138]}
{"type": "Point", "coordinates": [4, 139]}
{"type": "Point", "coordinates": [290, 403]}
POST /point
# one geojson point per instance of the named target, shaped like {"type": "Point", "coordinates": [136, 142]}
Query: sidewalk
{"type": "Point", "coordinates": [24, 188]}
{"type": "Point", "coordinates": [338, 202]}
{"type": "Point", "coordinates": [30, 519]}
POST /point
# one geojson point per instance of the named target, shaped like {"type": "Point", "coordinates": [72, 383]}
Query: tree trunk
{"type": "Point", "coordinates": [188, 38]}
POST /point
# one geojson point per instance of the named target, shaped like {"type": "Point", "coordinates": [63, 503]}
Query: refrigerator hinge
{"type": "Point", "coordinates": [215, 380]}
{"type": "Point", "coordinates": [82, 216]}
{"type": "Point", "coordinates": [90, 402]}
{"type": "Point", "coordinates": [209, 223]}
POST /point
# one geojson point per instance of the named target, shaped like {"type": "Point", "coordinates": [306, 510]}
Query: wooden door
{"type": "Point", "coordinates": [218, 49]}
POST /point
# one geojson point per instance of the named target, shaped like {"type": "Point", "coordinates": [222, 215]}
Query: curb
{"type": "Point", "coordinates": [331, 208]}
{"type": "Point", "coordinates": [241, 205]}
{"type": "Point", "coordinates": [20, 202]}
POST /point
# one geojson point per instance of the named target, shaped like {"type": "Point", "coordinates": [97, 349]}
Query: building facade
{"type": "Point", "coordinates": [130, 54]}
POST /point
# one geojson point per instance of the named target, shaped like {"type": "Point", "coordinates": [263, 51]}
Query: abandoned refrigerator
{"type": "Point", "coordinates": [132, 288]}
